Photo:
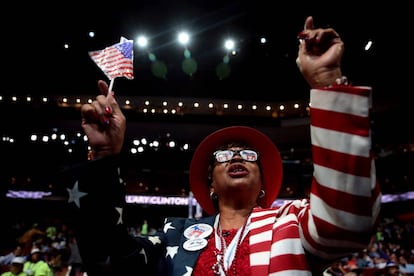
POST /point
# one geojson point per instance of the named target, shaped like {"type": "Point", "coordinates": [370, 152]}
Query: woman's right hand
{"type": "Point", "coordinates": [104, 123]}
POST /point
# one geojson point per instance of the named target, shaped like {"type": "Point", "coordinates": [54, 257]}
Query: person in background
{"type": "Point", "coordinates": [16, 267]}
{"type": "Point", "coordinates": [75, 260]}
{"type": "Point", "coordinates": [144, 228]}
{"type": "Point", "coordinates": [7, 259]}
{"type": "Point", "coordinates": [51, 232]}
{"type": "Point", "coordinates": [32, 236]}
{"type": "Point", "coordinates": [404, 266]}
{"type": "Point", "coordinates": [36, 266]}
{"type": "Point", "coordinates": [235, 175]}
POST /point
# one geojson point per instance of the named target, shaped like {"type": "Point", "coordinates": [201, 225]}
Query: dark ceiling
{"type": "Point", "coordinates": [34, 61]}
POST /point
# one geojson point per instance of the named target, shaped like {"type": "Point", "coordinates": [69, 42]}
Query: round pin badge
{"type": "Point", "coordinates": [195, 244]}
{"type": "Point", "coordinates": [199, 230]}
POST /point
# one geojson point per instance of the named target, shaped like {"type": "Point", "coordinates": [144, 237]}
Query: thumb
{"type": "Point", "coordinates": [309, 23]}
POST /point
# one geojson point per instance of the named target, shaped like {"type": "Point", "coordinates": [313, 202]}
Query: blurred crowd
{"type": "Point", "coordinates": [391, 251]}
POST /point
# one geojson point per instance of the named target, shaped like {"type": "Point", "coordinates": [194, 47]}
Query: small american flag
{"type": "Point", "coordinates": [116, 60]}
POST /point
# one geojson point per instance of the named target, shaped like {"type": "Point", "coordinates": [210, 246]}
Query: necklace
{"type": "Point", "coordinates": [231, 257]}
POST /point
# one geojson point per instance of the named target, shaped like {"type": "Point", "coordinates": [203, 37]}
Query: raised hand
{"type": "Point", "coordinates": [104, 123]}
{"type": "Point", "coordinates": [320, 54]}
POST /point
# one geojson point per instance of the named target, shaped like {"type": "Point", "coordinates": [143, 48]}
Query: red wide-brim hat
{"type": "Point", "coordinates": [269, 158]}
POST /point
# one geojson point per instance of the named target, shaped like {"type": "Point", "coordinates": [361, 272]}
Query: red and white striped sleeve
{"type": "Point", "coordinates": [345, 197]}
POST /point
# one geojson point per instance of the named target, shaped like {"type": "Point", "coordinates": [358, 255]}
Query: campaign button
{"type": "Point", "coordinates": [195, 244]}
{"type": "Point", "coordinates": [199, 230]}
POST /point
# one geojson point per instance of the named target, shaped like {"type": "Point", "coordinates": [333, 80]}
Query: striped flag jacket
{"type": "Point", "coordinates": [337, 219]}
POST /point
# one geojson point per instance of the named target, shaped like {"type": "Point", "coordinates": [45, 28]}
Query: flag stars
{"type": "Point", "coordinates": [143, 253]}
{"type": "Point", "coordinates": [189, 271]}
{"type": "Point", "coordinates": [168, 226]}
{"type": "Point", "coordinates": [154, 239]}
{"type": "Point", "coordinates": [75, 194]}
{"type": "Point", "coordinates": [171, 251]}
{"type": "Point", "coordinates": [119, 210]}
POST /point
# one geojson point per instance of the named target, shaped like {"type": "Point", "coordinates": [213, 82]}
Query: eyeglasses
{"type": "Point", "coordinates": [226, 155]}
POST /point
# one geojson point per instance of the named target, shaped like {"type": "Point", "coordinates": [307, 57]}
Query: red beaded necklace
{"type": "Point", "coordinates": [220, 253]}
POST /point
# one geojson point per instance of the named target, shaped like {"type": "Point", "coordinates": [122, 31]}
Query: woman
{"type": "Point", "coordinates": [235, 175]}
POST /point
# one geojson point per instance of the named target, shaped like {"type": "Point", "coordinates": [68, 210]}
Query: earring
{"type": "Point", "coordinates": [262, 193]}
{"type": "Point", "coordinates": [213, 195]}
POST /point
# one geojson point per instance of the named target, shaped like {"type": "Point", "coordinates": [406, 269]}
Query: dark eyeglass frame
{"type": "Point", "coordinates": [244, 154]}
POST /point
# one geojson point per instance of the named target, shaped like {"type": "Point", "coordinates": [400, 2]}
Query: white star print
{"type": "Point", "coordinates": [171, 251]}
{"type": "Point", "coordinates": [154, 239]}
{"type": "Point", "coordinates": [75, 194]}
{"type": "Point", "coordinates": [168, 226]}
{"type": "Point", "coordinates": [121, 181]}
{"type": "Point", "coordinates": [189, 271]}
{"type": "Point", "coordinates": [145, 255]}
{"type": "Point", "coordinates": [119, 210]}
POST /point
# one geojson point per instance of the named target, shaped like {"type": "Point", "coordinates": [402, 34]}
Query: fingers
{"type": "Point", "coordinates": [102, 108]}
{"type": "Point", "coordinates": [310, 33]}
{"type": "Point", "coordinates": [111, 105]}
{"type": "Point", "coordinates": [316, 41]}
{"type": "Point", "coordinates": [89, 113]}
{"type": "Point", "coordinates": [304, 35]}
{"type": "Point", "coordinates": [103, 87]}
{"type": "Point", "coordinates": [309, 23]}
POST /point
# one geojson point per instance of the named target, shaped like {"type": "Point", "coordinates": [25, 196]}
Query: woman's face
{"type": "Point", "coordinates": [236, 174]}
